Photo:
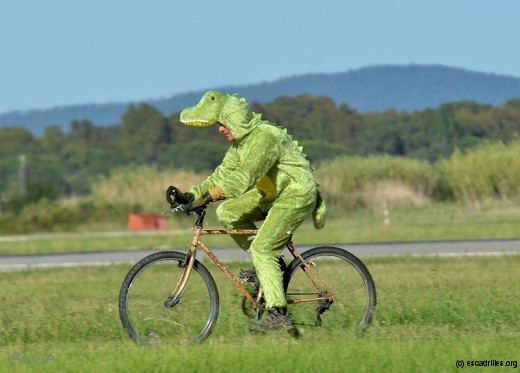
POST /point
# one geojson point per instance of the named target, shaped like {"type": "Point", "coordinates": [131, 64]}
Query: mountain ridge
{"type": "Point", "coordinates": [372, 88]}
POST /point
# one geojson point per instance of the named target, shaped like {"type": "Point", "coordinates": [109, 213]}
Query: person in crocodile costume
{"type": "Point", "coordinates": [264, 176]}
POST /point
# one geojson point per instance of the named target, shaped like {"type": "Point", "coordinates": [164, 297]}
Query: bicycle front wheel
{"type": "Point", "coordinates": [150, 314]}
{"type": "Point", "coordinates": [342, 283]}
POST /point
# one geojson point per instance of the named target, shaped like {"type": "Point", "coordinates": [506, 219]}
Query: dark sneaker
{"type": "Point", "coordinates": [248, 275]}
{"type": "Point", "coordinates": [276, 319]}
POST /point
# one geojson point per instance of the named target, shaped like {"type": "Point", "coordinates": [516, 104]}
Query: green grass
{"type": "Point", "coordinates": [431, 222]}
{"type": "Point", "coordinates": [431, 312]}
{"type": "Point", "coordinates": [269, 354]}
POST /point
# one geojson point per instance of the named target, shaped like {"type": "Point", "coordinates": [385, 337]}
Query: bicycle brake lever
{"type": "Point", "coordinates": [173, 207]}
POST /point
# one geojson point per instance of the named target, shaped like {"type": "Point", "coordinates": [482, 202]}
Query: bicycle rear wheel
{"type": "Point", "coordinates": [353, 291]}
{"type": "Point", "coordinates": [148, 312]}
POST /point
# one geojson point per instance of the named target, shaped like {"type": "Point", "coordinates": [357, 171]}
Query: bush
{"type": "Point", "coordinates": [144, 186]}
{"type": "Point", "coordinates": [356, 182]}
{"type": "Point", "coordinates": [491, 171]}
{"type": "Point", "coordinates": [54, 216]}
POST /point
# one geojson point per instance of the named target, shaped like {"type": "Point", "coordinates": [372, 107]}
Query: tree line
{"type": "Point", "coordinates": [60, 163]}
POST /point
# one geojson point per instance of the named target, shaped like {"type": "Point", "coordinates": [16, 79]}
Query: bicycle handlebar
{"type": "Point", "coordinates": [199, 211]}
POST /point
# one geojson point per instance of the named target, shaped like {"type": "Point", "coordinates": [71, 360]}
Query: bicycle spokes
{"type": "Point", "coordinates": [153, 315]}
{"type": "Point", "coordinates": [333, 290]}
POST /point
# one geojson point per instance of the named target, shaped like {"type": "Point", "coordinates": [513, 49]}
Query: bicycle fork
{"type": "Point", "coordinates": [188, 263]}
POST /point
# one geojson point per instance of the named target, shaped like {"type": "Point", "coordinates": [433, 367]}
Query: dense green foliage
{"type": "Point", "coordinates": [59, 164]}
{"type": "Point", "coordinates": [484, 176]}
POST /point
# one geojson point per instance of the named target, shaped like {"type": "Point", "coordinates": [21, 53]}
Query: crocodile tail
{"type": "Point", "coordinates": [319, 213]}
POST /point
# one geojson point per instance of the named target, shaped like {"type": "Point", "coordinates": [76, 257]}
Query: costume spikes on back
{"type": "Point", "coordinates": [235, 115]}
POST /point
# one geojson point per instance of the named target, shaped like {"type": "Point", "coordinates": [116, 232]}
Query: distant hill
{"type": "Point", "coordinates": [410, 87]}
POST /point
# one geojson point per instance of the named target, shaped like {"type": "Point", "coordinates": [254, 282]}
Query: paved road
{"type": "Point", "coordinates": [431, 248]}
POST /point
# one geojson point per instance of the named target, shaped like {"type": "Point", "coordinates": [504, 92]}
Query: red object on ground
{"type": "Point", "coordinates": [139, 221]}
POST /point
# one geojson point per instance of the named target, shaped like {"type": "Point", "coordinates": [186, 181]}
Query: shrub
{"type": "Point", "coordinates": [491, 171]}
{"type": "Point", "coordinates": [144, 186]}
{"type": "Point", "coordinates": [355, 182]}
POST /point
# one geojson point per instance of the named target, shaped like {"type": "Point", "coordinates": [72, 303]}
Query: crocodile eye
{"type": "Point", "coordinates": [212, 97]}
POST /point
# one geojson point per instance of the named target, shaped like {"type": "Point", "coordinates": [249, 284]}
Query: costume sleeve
{"type": "Point", "coordinates": [229, 164]}
{"type": "Point", "coordinates": [263, 151]}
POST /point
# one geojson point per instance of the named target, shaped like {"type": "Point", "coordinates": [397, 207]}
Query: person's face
{"type": "Point", "coordinates": [225, 132]}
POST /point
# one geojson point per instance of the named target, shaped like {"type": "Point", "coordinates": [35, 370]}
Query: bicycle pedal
{"type": "Point", "coordinates": [248, 275]}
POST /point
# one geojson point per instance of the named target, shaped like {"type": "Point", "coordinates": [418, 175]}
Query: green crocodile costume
{"type": "Point", "coordinates": [264, 176]}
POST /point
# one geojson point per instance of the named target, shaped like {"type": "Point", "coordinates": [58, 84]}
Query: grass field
{"type": "Point", "coordinates": [431, 312]}
{"type": "Point", "coordinates": [431, 222]}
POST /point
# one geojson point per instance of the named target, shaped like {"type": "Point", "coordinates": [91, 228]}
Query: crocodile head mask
{"type": "Point", "coordinates": [228, 110]}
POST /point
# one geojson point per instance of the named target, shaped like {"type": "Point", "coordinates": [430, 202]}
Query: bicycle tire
{"type": "Point", "coordinates": [147, 286]}
{"type": "Point", "coordinates": [350, 282]}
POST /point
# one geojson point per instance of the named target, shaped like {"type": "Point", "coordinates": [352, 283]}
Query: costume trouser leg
{"type": "Point", "coordinates": [281, 221]}
{"type": "Point", "coordinates": [241, 213]}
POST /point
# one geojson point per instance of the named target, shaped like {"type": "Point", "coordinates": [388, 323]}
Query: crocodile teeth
{"type": "Point", "coordinates": [198, 122]}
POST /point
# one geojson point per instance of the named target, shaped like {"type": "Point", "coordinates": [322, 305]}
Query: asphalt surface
{"type": "Point", "coordinates": [431, 248]}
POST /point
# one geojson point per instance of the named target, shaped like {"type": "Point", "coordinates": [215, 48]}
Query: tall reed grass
{"type": "Point", "coordinates": [488, 172]}
{"type": "Point", "coordinates": [369, 182]}
{"type": "Point", "coordinates": [143, 186]}
{"type": "Point", "coordinates": [480, 176]}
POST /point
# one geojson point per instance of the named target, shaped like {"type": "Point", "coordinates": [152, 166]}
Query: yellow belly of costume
{"type": "Point", "coordinates": [267, 187]}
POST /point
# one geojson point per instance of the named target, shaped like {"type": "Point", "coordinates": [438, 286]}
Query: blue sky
{"type": "Point", "coordinates": [62, 52]}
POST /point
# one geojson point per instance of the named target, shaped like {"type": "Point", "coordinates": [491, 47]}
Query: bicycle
{"type": "Point", "coordinates": [170, 296]}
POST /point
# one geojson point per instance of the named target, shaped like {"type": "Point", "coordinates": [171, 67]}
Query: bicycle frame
{"type": "Point", "coordinates": [197, 243]}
